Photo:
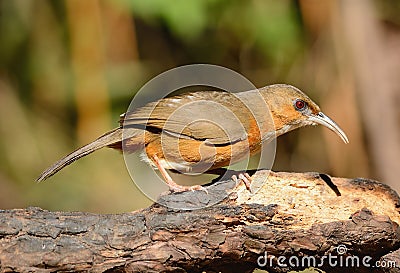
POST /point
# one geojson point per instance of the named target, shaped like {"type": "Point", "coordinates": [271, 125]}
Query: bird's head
{"type": "Point", "coordinates": [290, 109]}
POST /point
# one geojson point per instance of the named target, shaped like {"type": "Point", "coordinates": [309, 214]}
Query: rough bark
{"type": "Point", "coordinates": [299, 215]}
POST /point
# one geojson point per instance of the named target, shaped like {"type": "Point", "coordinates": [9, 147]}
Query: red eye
{"type": "Point", "coordinates": [300, 104]}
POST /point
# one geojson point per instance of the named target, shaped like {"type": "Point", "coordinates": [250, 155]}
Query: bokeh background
{"type": "Point", "coordinates": [69, 68]}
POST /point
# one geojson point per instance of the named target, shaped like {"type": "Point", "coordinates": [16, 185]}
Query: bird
{"type": "Point", "coordinates": [205, 131]}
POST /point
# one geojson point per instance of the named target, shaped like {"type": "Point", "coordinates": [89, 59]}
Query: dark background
{"type": "Point", "coordinates": [69, 68]}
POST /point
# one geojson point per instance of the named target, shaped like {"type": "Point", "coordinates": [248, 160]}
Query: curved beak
{"type": "Point", "coordinates": [322, 119]}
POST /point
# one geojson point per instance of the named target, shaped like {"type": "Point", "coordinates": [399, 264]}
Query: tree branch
{"type": "Point", "coordinates": [291, 215]}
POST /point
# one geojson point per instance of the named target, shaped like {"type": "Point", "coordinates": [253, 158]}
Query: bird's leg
{"type": "Point", "coordinates": [170, 182]}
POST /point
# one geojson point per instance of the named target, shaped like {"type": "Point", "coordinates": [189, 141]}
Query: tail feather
{"type": "Point", "coordinates": [111, 138]}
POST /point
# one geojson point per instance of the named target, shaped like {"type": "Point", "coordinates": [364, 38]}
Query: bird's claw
{"type": "Point", "coordinates": [198, 188]}
{"type": "Point", "coordinates": [178, 188]}
{"type": "Point", "coordinates": [242, 177]}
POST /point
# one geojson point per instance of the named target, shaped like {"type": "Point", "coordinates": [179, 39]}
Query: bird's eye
{"type": "Point", "coordinates": [300, 104]}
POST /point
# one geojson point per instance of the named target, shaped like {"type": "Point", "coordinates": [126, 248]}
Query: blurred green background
{"type": "Point", "coordinates": [69, 68]}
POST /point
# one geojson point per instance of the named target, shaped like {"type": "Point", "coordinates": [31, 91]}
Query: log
{"type": "Point", "coordinates": [293, 221]}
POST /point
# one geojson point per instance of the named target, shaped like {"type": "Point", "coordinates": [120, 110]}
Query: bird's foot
{"type": "Point", "coordinates": [242, 177]}
{"type": "Point", "coordinates": [173, 187]}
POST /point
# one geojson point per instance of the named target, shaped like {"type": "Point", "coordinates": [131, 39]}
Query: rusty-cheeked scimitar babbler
{"type": "Point", "coordinates": [207, 130]}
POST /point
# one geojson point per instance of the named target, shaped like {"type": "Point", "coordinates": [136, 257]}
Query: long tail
{"type": "Point", "coordinates": [112, 138]}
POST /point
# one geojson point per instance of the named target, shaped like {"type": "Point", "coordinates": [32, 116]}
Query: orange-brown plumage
{"type": "Point", "coordinates": [201, 131]}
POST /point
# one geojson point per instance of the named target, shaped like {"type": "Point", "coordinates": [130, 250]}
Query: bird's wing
{"type": "Point", "coordinates": [216, 118]}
